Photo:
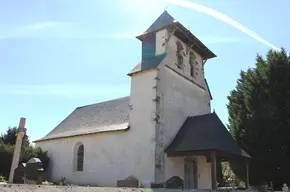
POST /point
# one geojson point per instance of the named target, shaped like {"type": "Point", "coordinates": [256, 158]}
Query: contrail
{"type": "Point", "coordinates": [222, 17]}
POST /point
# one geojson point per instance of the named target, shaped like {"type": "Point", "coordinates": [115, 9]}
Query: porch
{"type": "Point", "coordinates": [206, 136]}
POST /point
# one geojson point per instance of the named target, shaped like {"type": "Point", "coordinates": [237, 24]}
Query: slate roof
{"type": "Point", "coordinates": [162, 21]}
{"type": "Point", "coordinates": [106, 116]}
{"type": "Point", "coordinates": [165, 20]}
{"type": "Point", "coordinates": [150, 63]}
{"type": "Point", "coordinates": [205, 132]}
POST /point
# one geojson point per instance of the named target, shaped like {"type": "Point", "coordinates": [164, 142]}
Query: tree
{"type": "Point", "coordinates": [10, 137]}
{"type": "Point", "coordinates": [259, 118]}
{"type": "Point", "coordinates": [7, 142]}
{"type": "Point", "coordinates": [6, 154]}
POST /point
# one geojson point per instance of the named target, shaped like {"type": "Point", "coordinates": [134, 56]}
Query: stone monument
{"type": "Point", "coordinates": [285, 188]}
{"type": "Point", "coordinates": [19, 173]}
{"type": "Point", "coordinates": [34, 171]}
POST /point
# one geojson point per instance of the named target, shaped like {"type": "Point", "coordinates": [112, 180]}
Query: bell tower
{"type": "Point", "coordinates": [168, 85]}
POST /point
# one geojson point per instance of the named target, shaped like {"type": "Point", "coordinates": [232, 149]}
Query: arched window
{"type": "Point", "coordinates": [191, 64]}
{"type": "Point", "coordinates": [179, 61]}
{"type": "Point", "coordinates": [179, 51]}
{"type": "Point", "coordinates": [80, 158]}
{"type": "Point", "coordinates": [191, 70]}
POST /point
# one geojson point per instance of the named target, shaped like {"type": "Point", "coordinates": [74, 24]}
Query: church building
{"type": "Point", "coordinates": [165, 127]}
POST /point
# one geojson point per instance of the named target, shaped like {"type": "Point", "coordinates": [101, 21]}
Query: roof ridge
{"type": "Point", "coordinates": [120, 98]}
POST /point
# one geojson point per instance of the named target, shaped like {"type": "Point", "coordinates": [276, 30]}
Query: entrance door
{"type": "Point", "coordinates": [190, 174]}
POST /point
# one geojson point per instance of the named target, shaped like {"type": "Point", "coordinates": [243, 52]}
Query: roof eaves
{"type": "Point", "coordinates": [148, 64]}
{"type": "Point", "coordinates": [208, 53]}
{"type": "Point", "coordinates": [144, 35]}
{"type": "Point", "coordinates": [126, 128]}
{"type": "Point", "coordinates": [139, 71]}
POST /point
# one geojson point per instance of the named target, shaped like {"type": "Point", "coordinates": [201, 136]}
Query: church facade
{"type": "Point", "coordinates": [165, 127]}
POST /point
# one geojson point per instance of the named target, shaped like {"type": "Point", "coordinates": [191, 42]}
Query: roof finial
{"type": "Point", "coordinates": [166, 7]}
{"type": "Point", "coordinates": [213, 110]}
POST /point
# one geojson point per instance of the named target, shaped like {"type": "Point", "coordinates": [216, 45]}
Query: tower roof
{"type": "Point", "coordinates": [165, 20]}
{"type": "Point", "coordinates": [162, 21]}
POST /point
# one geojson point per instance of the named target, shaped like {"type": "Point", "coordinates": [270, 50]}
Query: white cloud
{"type": "Point", "coordinates": [222, 17]}
{"type": "Point", "coordinates": [44, 25]}
{"type": "Point", "coordinates": [63, 90]}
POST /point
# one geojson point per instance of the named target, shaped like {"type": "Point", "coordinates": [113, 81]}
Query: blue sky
{"type": "Point", "coordinates": [56, 55]}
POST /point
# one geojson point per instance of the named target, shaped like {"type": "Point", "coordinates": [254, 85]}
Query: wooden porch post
{"type": "Point", "coordinates": [213, 170]}
{"type": "Point", "coordinates": [247, 174]}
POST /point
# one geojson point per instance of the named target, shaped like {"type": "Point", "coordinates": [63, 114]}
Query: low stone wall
{"type": "Point", "coordinates": [54, 188]}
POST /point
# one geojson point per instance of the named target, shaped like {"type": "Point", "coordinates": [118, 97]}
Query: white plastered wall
{"type": "Point", "coordinates": [112, 156]}
{"type": "Point", "coordinates": [181, 96]}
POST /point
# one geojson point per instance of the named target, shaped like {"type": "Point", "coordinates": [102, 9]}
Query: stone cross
{"type": "Point", "coordinates": [17, 149]}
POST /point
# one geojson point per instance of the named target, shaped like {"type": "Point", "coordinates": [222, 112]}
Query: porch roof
{"type": "Point", "coordinates": [204, 133]}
